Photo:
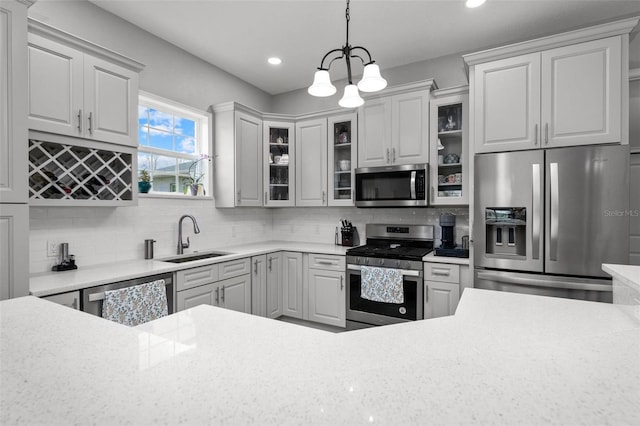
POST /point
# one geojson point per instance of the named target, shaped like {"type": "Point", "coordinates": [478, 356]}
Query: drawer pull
{"type": "Point", "coordinates": [441, 272]}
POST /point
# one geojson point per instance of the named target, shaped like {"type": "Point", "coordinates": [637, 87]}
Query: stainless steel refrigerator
{"type": "Point", "coordinates": [545, 220]}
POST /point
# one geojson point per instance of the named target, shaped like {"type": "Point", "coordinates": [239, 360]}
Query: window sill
{"type": "Point", "coordinates": [167, 195]}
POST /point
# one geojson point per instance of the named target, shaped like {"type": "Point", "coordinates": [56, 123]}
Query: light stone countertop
{"type": "Point", "coordinates": [90, 276]}
{"type": "Point", "coordinates": [629, 274]}
{"type": "Point", "coordinates": [504, 358]}
{"type": "Point", "coordinates": [431, 257]}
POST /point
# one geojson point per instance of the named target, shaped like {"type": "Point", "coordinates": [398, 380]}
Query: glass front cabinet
{"type": "Point", "coordinates": [449, 148]}
{"type": "Point", "coordinates": [279, 167]}
{"type": "Point", "coordinates": [342, 158]}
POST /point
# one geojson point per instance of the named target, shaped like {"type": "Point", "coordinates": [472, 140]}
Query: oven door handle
{"type": "Point", "coordinates": [404, 272]}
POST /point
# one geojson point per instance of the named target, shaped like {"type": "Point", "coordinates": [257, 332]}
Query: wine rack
{"type": "Point", "coordinates": [60, 174]}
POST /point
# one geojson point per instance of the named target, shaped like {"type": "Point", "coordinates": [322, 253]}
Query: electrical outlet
{"type": "Point", "coordinates": [52, 248]}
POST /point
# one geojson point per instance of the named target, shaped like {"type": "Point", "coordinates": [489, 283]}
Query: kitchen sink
{"type": "Point", "coordinates": [194, 256]}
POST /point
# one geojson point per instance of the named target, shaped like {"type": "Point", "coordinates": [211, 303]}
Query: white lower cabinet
{"type": "Point", "coordinates": [208, 294]}
{"type": "Point", "coordinates": [441, 288]}
{"type": "Point", "coordinates": [202, 285]}
{"type": "Point", "coordinates": [14, 250]}
{"type": "Point", "coordinates": [326, 289]}
{"type": "Point", "coordinates": [70, 299]}
{"type": "Point", "coordinates": [266, 285]}
{"type": "Point", "coordinates": [292, 284]}
{"type": "Point", "coordinates": [259, 285]}
{"type": "Point", "coordinates": [235, 293]}
{"type": "Point", "coordinates": [273, 285]}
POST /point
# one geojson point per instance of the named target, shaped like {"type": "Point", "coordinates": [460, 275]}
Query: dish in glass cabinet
{"type": "Point", "coordinates": [451, 158]}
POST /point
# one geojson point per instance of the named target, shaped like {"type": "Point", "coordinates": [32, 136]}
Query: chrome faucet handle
{"type": "Point", "coordinates": [186, 245]}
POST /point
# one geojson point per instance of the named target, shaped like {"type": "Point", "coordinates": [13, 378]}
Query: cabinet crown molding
{"type": "Point", "coordinates": [615, 28]}
{"type": "Point", "coordinates": [55, 34]}
{"type": "Point", "coordinates": [429, 85]}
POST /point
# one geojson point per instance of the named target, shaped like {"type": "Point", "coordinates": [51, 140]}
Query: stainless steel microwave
{"type": "Point", "coordinates": [392, 186]}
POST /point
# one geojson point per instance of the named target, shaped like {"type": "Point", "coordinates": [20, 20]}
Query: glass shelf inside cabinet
{"type": "Point", "coordinates": [450, 150]}
{"type": "Point", "coordinates": [342, 159]}
{"type": "Point", "coordinates": [279, 164]}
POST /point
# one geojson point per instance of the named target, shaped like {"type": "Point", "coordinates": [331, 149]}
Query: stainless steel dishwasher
{"type": "Point", "coordinates": [93, 297]}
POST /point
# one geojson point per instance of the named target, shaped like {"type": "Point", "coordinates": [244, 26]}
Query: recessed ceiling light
{"type": "Point", "coordinates": [274, 61]}
{"type": "Point", "coordinates": [474, 3]}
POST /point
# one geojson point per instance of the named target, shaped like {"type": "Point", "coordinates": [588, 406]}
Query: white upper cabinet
{"type": "Point", "coordinates": [507, 108]}
{"type": "Point", "coordinates": [13, 106]}
{"type": "Point", "coordinates": [449, 147]}
{"type": "Point", "coordinates": [342, 158]}
{"type": "Point", "coordinates": [581, 93]}
{"type": "Point", "coordinates": [248, 147]}
{"type": "Point", "coordinates": [311, 162]}
{"type": "Point", "coordinates": [410, 128]}
{"type": "Point", "coordinates": [374, 127]}
{"type": "Point", "coordinates": [279, 163]}
{"type": "Point", "coordinates": [238, 156]}
{"type": "Point", "coordinates": [77, 94]}
{"type": "Point", "coordinates": [394, 130]}
{"type": "Point", "coordinates": [563, 90]}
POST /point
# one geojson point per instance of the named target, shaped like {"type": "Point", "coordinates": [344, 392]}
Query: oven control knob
{"type": "Point", "coordinates": [366, 260]}
{"type": "Point", "coordinates": [381, 262]}
{"type": "Point", "coordinates": [397, 263]}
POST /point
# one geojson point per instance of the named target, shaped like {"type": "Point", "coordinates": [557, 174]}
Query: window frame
{"type": "Point", "coordinates": [202, 131]}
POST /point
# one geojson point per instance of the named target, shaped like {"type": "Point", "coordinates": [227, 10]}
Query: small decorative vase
{"type": "Point", "coordinates": [144, 187]}
{"type": "Point", "coordinates": [193, 189]}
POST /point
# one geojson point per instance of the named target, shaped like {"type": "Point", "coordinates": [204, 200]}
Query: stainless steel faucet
{"type": "Point", "coordinates": [181, 245]}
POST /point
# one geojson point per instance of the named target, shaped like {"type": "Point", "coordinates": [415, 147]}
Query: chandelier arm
{"type": "Point", "coordinates": [321, 67]}
{"type": "Point", "coordinates": [366, 51]}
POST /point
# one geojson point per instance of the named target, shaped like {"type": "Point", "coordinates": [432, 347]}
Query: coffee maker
{"type": "Point", "coordinates": [448, 238]}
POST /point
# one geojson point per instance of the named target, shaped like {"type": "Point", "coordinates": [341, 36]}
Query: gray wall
{"type": "Point", "coordinates": [447, 71]}
{"type": "Point", "coordinates": [170, 71]}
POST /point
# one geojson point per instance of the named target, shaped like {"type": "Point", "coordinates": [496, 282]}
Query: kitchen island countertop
{"type": "Point", "coordinates": [45, 284]}
{"type": "Point", "coordinates": [503, 358]}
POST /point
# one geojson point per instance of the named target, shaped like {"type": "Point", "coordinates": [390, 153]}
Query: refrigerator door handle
{"type": "Point", "coordinates": [554, 207]}
{"type": "Point", "coordinates": [535, 219]}
{"type": "Point", "coordinates": [511, 278]}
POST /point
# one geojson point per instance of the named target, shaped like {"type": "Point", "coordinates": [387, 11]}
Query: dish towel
{"type": "Point", "coordinates": [382, 285]}
{"type": "Point", "coordinates": [136, 305]}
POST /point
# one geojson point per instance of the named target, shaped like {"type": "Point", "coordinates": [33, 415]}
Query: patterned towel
{"type": "Point", "coordinates": [136, 305]}
{"type": "Point", "coordinates": [382, 285]}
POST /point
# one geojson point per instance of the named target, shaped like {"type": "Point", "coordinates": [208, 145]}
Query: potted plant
{"type": "Point", "coordinates": [195, 175]}
{"type": "Point", "coordinates": [144, 181]}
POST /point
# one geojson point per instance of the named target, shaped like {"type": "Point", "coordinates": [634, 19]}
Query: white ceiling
{"type": "Point", "coordinates": [239, 35]}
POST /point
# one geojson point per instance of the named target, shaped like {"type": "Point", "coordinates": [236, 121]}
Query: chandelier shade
{"type": "Point", "coordinates": [351, 97]}
{"type": "Point", "coordinates": [371, 81]}
{"type": "Point", "coordinates": [322, 86]}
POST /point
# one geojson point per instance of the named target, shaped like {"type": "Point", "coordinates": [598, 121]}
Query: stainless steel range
{"type": "Point", "coordinates": [395, 253]}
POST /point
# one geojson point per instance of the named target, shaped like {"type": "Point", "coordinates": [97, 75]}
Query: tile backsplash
{"type": "Point", "coordinates": [98, 235]}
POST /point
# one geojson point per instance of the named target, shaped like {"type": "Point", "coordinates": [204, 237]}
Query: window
{"type": "Point", "coordinates": [173, 146]}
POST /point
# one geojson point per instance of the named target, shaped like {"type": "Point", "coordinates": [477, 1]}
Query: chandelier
{"type": "Point", "coordinates": [371, 79]}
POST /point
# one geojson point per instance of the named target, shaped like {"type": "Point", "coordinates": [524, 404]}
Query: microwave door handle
{"type": "Point", "coordinates": [413, 185]}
